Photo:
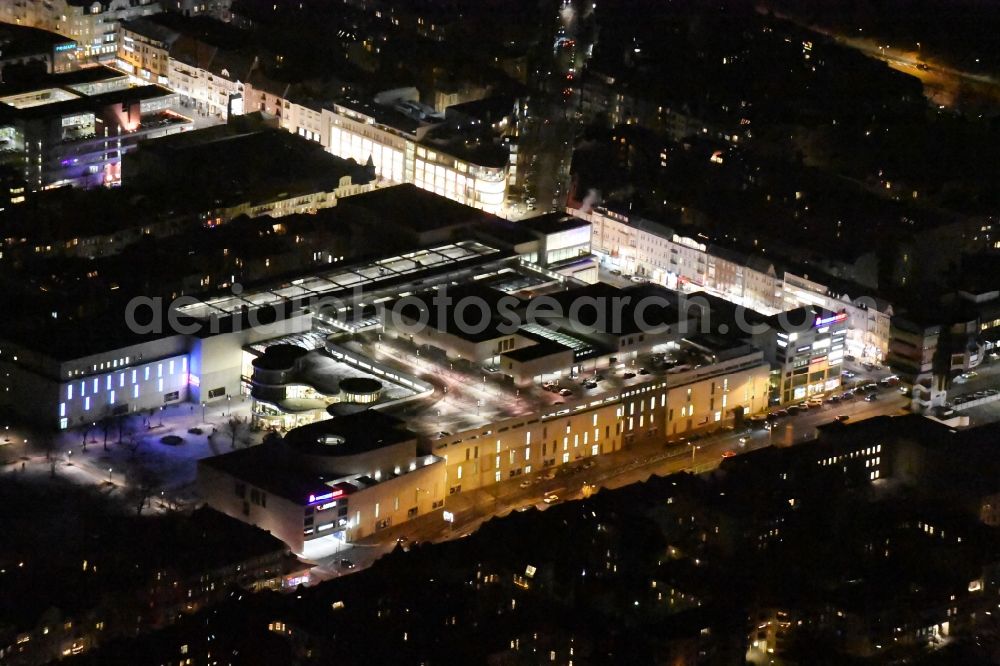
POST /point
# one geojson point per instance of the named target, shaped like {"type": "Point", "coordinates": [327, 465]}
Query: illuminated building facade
{"type": "Point", "coordinates": [94, 25]}
{"type": "Point", "coordinates": [649, 249]}
{"type": "Point", "coordinates": [328, 482]}
{"type": "Point", "coordinates": [636, 246]}
{"type": "Point", "coordinates": [806, 348]}
{"type": "Point", "coordinates": [361, 132]}
{"type": "Point", "coordinates": [72, 128]}
{"type": "Point", "coordinates": [707, 397]}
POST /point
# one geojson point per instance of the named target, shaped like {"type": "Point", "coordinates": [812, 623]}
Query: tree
{"type": "Point", "coordinates": [232, 427]}
{"type": "Point", "coordinates": [105, 423]}
{"type": "Point", "coordinates": [121, 420]}
{"type": "Point", "coordinates": [86, 433]}
{"type": "Point", "coordinates": [134, 443]}
{"type": "Point", "coordinates": [141, 485]}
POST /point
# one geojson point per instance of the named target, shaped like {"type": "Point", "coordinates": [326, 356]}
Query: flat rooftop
{"type": "Point", "coordinates": [409, 207]}
{"type": "Point", "coordinates": [283, 468]}
{"type": "Point", "coordinates": [225, 165]}
{"type": "Point", "coordinates": [345, 279]}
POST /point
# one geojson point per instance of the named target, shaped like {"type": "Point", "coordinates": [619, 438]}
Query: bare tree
{"type": "Point", "coordinates": [142, 484]}
{"type": "Point", "coordinates": [105, 423]}
{"type": "Point", "coordinates": [232, 427]}
{"type": "Point", "coordinates": [85, 426]}
{"type": "Point", "coordinates": [121, 421]}
{"type": "Point", "coordinates": [134, 442]}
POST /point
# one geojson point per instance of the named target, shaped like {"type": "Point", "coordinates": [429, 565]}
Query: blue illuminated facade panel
{"type": "Point", "coordinates": [124, 390]}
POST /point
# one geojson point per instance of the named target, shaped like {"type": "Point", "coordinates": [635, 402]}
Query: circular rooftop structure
{"type": "Point", "coordinates": [360, 390]}
{"type": "Point", "coordinates": [279, 357]}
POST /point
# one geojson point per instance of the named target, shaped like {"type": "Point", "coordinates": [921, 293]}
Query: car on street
{"type": "Point", "coordinates": [871, 397]}
{"type": "Point", "coordinates": [628, 375]}
{"type": "Point", "coordinates": [347, 564]}
{"type": "Point", "coordinates": [842, 417]}
{"type": "Point", "coordinates": [590, 384]}
{"type": "Point", "coordinates": [565, 392]}
{"type": "Point", "coordinates": [525, 483]}
{"type": "Point", "coordinates": [728, 454]}
{"type": "Point", "coordinates": [549, 499]}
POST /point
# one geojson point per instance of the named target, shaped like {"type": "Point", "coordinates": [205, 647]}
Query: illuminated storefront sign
{"type": "Point", "coordinates": [325, 496]}
{"type": "Point", "coordinates": [835, 319]}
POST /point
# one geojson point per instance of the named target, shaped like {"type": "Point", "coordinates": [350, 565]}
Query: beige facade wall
{"type": "Point", "coordinates": [584, 428]}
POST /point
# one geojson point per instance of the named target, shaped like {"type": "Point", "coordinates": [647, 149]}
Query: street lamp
{"type": "Point", "coordinates": [203, 405]}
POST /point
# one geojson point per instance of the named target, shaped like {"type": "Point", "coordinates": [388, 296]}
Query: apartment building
{"type": "Point", "coordinates": [406, 148]}
{"type": "Point", "coordinates": [636, 246]}
{"type": "Point", "coordinates": [652, 250]}
{"type": "Point", "coordinates": [93, 24]}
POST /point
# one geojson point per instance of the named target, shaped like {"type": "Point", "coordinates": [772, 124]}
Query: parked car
{"type": "Point", "coordinates": [871, 397]}
{"type": "Point", "coordinates": [565, 392]}
{"type": "Point", "coordinates": [643, 371]}
{"type": "Point", "coordinates": [628, 375]}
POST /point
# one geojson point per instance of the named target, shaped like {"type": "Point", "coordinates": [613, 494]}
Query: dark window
{"type": "Point", "coordinates": [217, 392]}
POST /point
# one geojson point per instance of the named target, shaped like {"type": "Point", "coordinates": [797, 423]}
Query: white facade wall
{"type": "Point", "coordinates": [868, 321]}
{"type": "Point", "coordinates": [399, 159]}
{"type": "Point", "coordinates": [209, 91]}
{"type": "Point", "coordinates": [653, 251]}
{"type": "Point", "coordinates": [94, 26]}
{"type": "Point", "coordinates": [125, 390]}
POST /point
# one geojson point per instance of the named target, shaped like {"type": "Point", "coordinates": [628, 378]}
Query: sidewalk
{"type": "Point", "coordinates": [164, 448]}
